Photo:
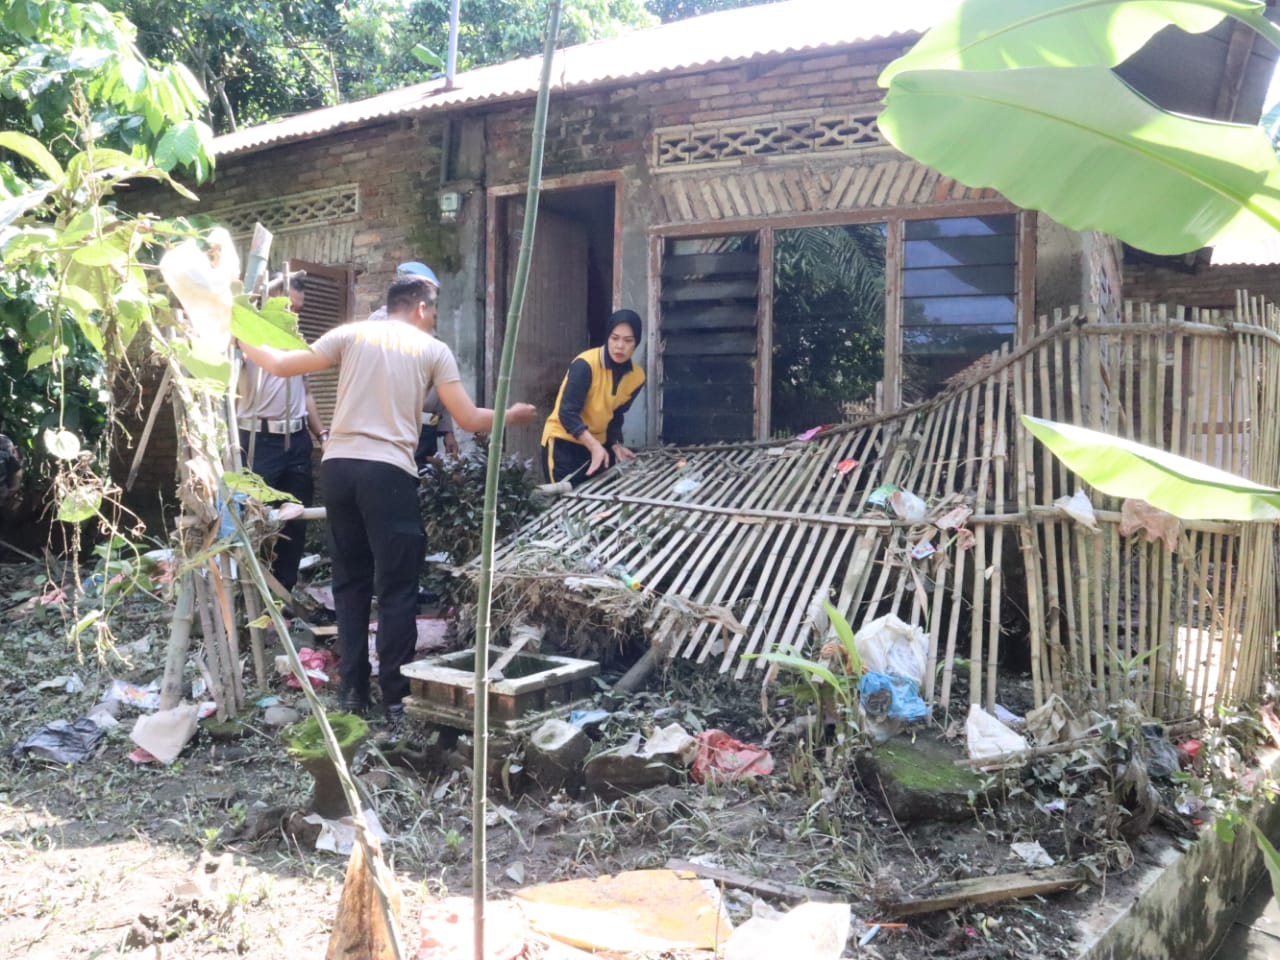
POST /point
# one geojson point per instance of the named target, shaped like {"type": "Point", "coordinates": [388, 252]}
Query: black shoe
{"type": "Point", "coordinates": [349, 702]}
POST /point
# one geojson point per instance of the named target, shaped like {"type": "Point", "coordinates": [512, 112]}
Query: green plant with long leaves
{"type": "Point", "coordinates": [1062, 133]}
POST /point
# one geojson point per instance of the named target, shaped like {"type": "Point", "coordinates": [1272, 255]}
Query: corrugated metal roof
{"type": "Point", "coordinates": [1256, 253]}
{"type": "Point", "coordinates": [733, 36]}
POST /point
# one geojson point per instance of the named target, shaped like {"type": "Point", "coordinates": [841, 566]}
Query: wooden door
{"type": "Point", "coordinates": [553, 325]}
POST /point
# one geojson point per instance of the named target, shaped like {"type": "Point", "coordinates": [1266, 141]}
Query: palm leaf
{"type": "Point", "coordinates": [1174, 484]}
{"type": "Point", "coordinates": [998, 34]}
{"type": "Point", "coordinates": [1082, 146]}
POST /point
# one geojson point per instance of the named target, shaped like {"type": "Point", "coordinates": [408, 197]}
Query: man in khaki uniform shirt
{"type": "Point", "coordinates": [385, 368]}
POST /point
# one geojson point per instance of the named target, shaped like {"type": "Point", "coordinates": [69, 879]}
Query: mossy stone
{"type": "Point", "coordinates": [305, 744]}
{"type": "Point", "coordinates": [920, 781]}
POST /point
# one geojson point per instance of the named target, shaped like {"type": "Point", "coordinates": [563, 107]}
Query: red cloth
{"type": "Point", "coordinates": [721, 758]}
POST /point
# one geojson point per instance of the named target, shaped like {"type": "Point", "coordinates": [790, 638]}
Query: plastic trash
{"type": "Point", "coordinates": [203, 287]}
{"type": "Point", "coordinates": [1078, 508]}
{"type": "Point", "coordinates": [908, 506]}
{"type": "Point", "coordinates": [1154, 524]}
{"type": "Point", "coordinates": [316, 664]}
{"type": "Point", "coordinates": [879, 497]}
{"type": "Point", "coordinates": [144, 698]}
{"type": "Point", "coordinates": [1009, 718]}
{"type": "Point", "coordinates": [163, 734]}
{"type": "Point", "coordinates": [70, 683]}
{"type": "Point", "coordinates": [901, 696]}
{"type": "Point", "coordinates": [888, 645]}
{"type": "Point", "coordinates": [588, 718]}
{"type": "Point", "coordinates": [1032, 854]}
{"type": "Point", "coordinates": [988, 737]}
{"type": "Point", "coordinates": [339, 836]}
{"type": "Point", "coordinates": [809, 931]}
{"type": "Point", "coordinates": [62, 742]}
{"type": "Point", "coordinates": [721, 758]}
{"type": "Point", "coordinates": [685, 486]}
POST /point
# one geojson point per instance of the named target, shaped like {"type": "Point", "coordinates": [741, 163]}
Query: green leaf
{"type": "Point", "coordinates": [204, 364]}
{"type": "Point", "coordinates": [180, 145]}
{"type": "Point", "coordinates": [1177, 485]}
{"type": "Point", "coordinates": [29, 243]}
{"type": "Point", "coordinates": [14, 207]}
{"type": "Point", "coordinates": [134, 74]}
{"type": "Point", "coordinates": [92, 332]}
{"type": "Point", "coordinates": [845, 633]}
{"type": "Point", "coordinates": [100, 254]}
{"type": "Point", "coordinates": [80, 300]}
{"type": "Point", "coordinates": [1082, 146]}
{"type": "Point", "coordinates": [31, 149]}
{"type": "Point", "coordinates": [998, 35]}
{"type": "Point", "coordinates": [802, 665]}
{"type": "Point", "coordinates": [79, 504]}
{"type": "Point", "coordinates": [273, 326]}
{"type": "Point", "coordinates": [427, 57]}
{"type": "Point", "coordinates": [40, 356]}
{"type": "Point", "coordinates": [62, 444]}
{"type": "Point", "coordinates": [249, 483]}
{"type": "Point", "coordinates": [1269, 856]}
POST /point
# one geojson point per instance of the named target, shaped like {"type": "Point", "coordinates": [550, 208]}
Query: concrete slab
{"type": "Point", "coordinates": [1255, 935]}
{"type": "Point", "coordinates": [1184, 906]}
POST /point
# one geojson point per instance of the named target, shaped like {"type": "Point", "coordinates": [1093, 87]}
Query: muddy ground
{"type": "Point", "coordinates": [108, 858]}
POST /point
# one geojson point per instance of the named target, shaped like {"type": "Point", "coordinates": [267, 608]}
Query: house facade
{"type": "Point", "coordinates": [714, 175]}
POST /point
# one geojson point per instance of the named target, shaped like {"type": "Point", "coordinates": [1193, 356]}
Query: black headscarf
{"type": "Point", "coordinates": [629, 317]}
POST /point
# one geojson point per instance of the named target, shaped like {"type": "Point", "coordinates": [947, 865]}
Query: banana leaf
{"type": "Point", "coordinates": [998, 34]}
{"type": "Point", "coordinates": [1081, 145]}
{"type": "Point", "coordinates": [1177, 485]}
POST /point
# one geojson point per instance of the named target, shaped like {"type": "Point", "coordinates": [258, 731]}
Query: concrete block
{"type": "Point", "coordinates": [555, 755]}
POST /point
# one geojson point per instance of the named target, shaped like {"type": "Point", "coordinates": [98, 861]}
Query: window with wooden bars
{"type": "Point", "coordinates": [329, 298]}
{"type": "Point", "coordinates": [771, 331]}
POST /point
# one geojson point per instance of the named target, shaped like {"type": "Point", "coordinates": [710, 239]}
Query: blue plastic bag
{"type": "Point", "coordinates": [905, 702]}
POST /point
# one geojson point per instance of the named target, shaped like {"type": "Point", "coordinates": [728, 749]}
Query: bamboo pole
{"type": "Point", "coordinates": [480, 719]}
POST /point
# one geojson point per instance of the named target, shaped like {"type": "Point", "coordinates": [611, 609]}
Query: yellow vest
{"type": "Point", "coordinates": [602, 400]}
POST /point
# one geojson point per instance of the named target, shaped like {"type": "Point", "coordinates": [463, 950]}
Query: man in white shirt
{"type": "Point", "coordinates": [277, 417]}
{"type": "Point", "coordinates": [385, 368]}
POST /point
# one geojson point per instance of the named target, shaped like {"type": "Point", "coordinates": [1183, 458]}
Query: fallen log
{"type": "Point", "coordinates": [978, 890]}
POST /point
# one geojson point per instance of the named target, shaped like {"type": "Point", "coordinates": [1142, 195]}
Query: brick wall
{"type": "Point", "coordinates": [609, 129]}
{"type": "Point", "coordinates": [1206, 287]}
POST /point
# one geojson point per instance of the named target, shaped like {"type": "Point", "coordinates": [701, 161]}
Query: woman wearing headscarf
{"type": "Point", "coordinates": [584, 429]}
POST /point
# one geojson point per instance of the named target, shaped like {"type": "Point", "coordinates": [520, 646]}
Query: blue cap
{"type": "Point", "coordinates": [415, 269]}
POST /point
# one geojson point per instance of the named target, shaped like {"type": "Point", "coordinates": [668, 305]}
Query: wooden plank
{"type": "Point", "coordinates": [742, 881]}
{"type": "Point", "coordinates": [980, 890]}
{"type": "Point", "coordinates": [717, 343]}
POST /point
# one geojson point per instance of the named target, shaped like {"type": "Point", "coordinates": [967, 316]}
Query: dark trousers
{"type": "Point", "coordinates": [560, 458]}
{"type": "Point", "coordinates": [289, 471]}
{"type": "Point", "coordinates": [376, 545]}
{"type": "Point", "coordinates": [428, 445]}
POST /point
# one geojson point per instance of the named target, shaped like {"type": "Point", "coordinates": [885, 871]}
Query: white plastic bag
{"type": "Point", "coordinates": [203, 287]}
{"type": "Point", "coordinates": [988, 737]}
{"type": "Point", "coordinates": [888, 645]}
{"type": "Point", "coordinates": [810, 931]}
{"type": "Point", "coordinates": [908, 506]}
{"type": "Point", "coordinates": [1078, 508]}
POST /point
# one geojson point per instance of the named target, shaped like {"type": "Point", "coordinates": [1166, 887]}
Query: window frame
{"type": "Point", "coordinates": [894, 220]}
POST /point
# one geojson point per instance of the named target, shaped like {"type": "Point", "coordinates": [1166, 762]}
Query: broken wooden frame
{"type": "Point", "coordinates": [737, 545]}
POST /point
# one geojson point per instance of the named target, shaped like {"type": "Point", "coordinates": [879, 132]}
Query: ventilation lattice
{"type": "Point", "coordinates": [297, 211]}
{"type": "Point", "coordinates": [826, 132]}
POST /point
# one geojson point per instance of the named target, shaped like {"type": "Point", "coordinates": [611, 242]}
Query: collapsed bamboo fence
{"type": "Point", "coordinates": [737, 545]}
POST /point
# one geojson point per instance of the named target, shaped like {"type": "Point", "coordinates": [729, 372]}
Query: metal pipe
{"type": "Point", "coordinates": [451, 65]}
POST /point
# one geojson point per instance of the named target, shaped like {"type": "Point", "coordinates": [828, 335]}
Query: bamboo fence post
{"type": "Point", "coordinates": [480, 719]}
{"type": "Point", "coordinates": [179, 643]}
